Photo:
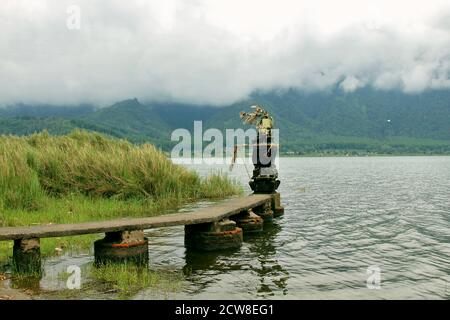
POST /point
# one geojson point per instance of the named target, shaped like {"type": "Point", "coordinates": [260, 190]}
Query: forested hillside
{"type": "Point", "coordinates": [363, 122]}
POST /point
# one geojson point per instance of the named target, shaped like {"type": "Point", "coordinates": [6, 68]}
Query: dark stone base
{"type": "Point", "coordinates": [277, 209]}
{"type": "Point", "coordinates": [27, 256]}
{"type": "Point", "coordinates": [278, 212]}
{"type": "Point", "coordinates": [213, 236]}
{"type": "Point", "coordinates": [265, 212]}
{"type": "Point", "coordinates": [249, 222]}
{"type": "Point", "coordinates": [264, 184]}
{"type": "Point", "coordinates": [115, 249]}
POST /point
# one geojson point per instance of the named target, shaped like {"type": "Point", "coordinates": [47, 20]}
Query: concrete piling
{"type": "Point", "coordinates": [265, 212]}
{"type": "Point", "coordinates": [208, 228]}
{"type": "Point", "coordinates": [122, 246]}
{"type": "Point", "coordinates": [248, 221]}
{"type": "Point", "coordinates": [213, 236]}
{"type": "Point", "coordinates": [277, 208]}
{"type": "Point", "coordinates": [27, 256]}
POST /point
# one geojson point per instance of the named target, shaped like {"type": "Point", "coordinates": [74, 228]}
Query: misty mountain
{"type": "Point", "coordinates": [26, 125]}
{"type": "Point", "coordinates": [45, 110]}
{"type": "Point", "coordinates": [127, 119]}
{"type": "Point", "coordinates": [178, 115]}
{"type": "Point", "coordinates": [365, 120]}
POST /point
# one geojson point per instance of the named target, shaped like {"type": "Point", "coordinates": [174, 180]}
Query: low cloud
{"type": "Point", "coordinates": [179, 51]}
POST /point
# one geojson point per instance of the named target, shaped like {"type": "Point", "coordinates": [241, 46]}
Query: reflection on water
{"type": "Point", "coordinates": [343, 216]}
{"type": "Point", "coordinates": [268, 268]}
{"type": "Point", "coordinates": [259, 260]}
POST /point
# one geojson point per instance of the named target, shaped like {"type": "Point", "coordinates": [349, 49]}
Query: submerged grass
{"type": "Point", "coordinates": [119, 281]}
{"type": "Point", "coordinates": [128, 279]}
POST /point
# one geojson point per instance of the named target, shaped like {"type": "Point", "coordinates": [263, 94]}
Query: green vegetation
{"type": "Point", "coordinates": [120, 281]}
{"type": "Point", "coordinates": [86, 176]}
{"type": "Point", "coordinates": [365, 121]}
{"type": "Point", "coordinates": [127, 119]}
{"type": "Point", "coordinates": [353, 146]}
{"type": "Point", "coordinates": [128, 279]}
{"type": "Point", "coordinates": [91, 176]}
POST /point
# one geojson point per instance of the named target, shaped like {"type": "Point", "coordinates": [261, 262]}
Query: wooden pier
{"type": "Point", "coordinates": [211, 228]}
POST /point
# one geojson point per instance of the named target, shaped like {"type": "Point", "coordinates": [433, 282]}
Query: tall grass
{"type": "Point", "coordinates": [87, 176]}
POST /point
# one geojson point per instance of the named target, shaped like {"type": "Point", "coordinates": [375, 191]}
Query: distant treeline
{"type": "Point", "coordinates": [362, 122]}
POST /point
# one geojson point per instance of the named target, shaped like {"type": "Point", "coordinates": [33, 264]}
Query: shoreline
{"type": "Point", "coordinates": [8, 293]}
{"type": "Point", "coordinates": [362, 155]}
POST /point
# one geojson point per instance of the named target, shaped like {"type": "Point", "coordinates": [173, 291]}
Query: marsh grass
{"type": "Point", "coordinates": [87, 176]}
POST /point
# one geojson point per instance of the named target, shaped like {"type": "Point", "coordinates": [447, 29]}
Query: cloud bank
{"type": "Point", "coordinates": [217, 52]}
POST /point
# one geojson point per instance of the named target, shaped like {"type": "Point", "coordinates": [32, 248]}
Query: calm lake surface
{"type": "Point", "coordinates": [343, 216]}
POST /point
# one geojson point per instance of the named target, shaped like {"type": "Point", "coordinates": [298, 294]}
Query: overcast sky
{"type": "Point", "coordinates": [217, 51]}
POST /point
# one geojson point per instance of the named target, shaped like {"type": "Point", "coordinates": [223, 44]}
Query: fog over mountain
{"type": "Point", "coordinates": [217, 52]}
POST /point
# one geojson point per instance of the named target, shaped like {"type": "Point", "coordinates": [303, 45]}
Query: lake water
{"type": "Point", "coordinates": [345, 219]}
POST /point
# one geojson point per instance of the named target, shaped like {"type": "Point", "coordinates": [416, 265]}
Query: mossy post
{"type": "Point", "coordinates": [277, 208]}
{"type": "Point", "coordinates": [212, 236]}
{"type": "Point", "coordinates": [122, 246]}
{"type": "Point", "coordinates": [27, 256]}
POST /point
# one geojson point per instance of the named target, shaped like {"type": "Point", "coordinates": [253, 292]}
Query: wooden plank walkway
{"type": "Point", "coordinates": [203, 215]}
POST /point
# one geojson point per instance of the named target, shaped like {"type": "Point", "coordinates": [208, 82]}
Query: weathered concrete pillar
{"type": "Point", "coordinates": [213, 236]}
{"type": "Point", "coordinates": [265, 211]}
{"type": "Point", "coordinates": [27, 256]}
{"type": "Point", "coordinates": [277, 208]}
{"type": "Point", "coordinates": [248, 221]}
{"type": "Point", "coordinates": [122, 246]}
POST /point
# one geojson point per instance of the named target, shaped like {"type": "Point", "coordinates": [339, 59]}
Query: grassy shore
{"type": "Point", "coordinates": [85, 176]}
